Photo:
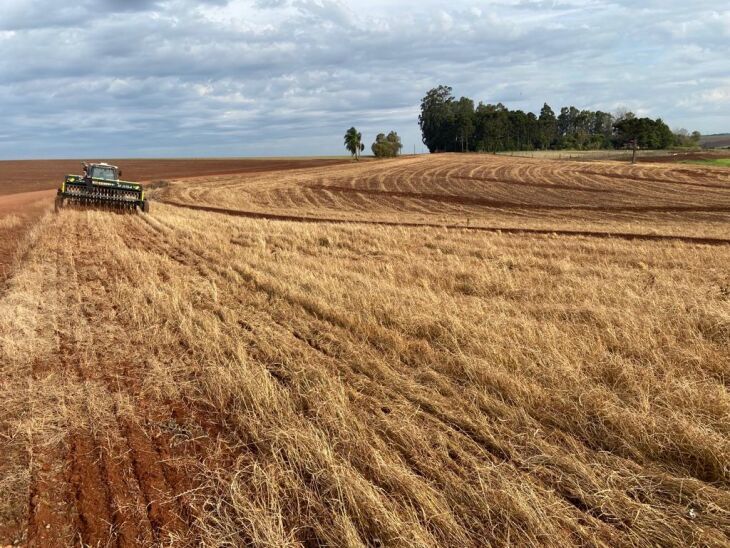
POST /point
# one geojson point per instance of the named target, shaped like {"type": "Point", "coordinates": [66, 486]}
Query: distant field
{"type": "Point", "coordinates": [447, 350]}
{"type": "Point", "coordinates": [31, 175]}
{"type": "Point", "coordinates": [574, 154]}
{"type": "Point", "coordinates": [619, 155]}
{"type": "Point", "coordinates": [643, 156]}
{"type": "Point", "coordinates": [722, 162]}
{"type": "Point", "coordinates": [719, 140]}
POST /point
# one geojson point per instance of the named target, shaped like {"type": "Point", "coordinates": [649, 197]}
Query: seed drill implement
{"type": "Point", "coordinates": [100, 186]}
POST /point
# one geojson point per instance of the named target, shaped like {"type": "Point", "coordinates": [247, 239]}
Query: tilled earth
{"type": "Point", "coordinates": [30, 175]}
{"type": "Point", "coordinates": [483, 191]}
{"type": "Point", "coordinates": [194, 377]}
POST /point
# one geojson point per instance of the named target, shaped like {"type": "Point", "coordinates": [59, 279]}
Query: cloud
{"type": "Point", "coordinates": [151, 77]}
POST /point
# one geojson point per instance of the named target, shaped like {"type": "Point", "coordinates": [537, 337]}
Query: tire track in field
{"type": "Point", "coordinates": [168, 245]}
{"type": "Point", "coordinates": [52, 516]}
{"type": "Point", "coordinates": [79, 489]}
{"type": "Point", "coordinates": [548, 186]}
{"type": "Point", "coordinates": [95, 471]}
{"type": "Point", "coordinates": [494, 229]}
{"type": "Point", "coordinates": [649, 179]}
{"type": "Point", "coordinates": [146, 452]}
{"type": "Point", "coordinates": [114, 466]}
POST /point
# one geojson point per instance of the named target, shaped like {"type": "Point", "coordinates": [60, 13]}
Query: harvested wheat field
{"type": "Point", "coordinates": [203, 378]}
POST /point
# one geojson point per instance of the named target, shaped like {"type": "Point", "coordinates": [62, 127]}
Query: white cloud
{"type": "Point", "coordinates": [288, 76]}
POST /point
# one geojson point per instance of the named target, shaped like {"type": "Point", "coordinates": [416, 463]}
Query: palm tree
{"type": "Point", "coordinates": [353, 142]}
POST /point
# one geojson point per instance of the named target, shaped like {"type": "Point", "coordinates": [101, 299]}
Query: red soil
{"type": "Point", "coordinates": [28, 206]}
{"type": "Point", "coordinates": [671, 157]}
{"type": "Point", "coordinates": [28, 175]}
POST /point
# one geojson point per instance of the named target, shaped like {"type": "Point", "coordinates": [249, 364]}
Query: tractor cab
{"type": "Point", "coordinates": [102, 172]}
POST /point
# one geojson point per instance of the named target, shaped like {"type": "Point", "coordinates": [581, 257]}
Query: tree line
{"type": "Point", "coordinates": [385, 146]}
{"type": "Point", "coordinates": [451, 125]}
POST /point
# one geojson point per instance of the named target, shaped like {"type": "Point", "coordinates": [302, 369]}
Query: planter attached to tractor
{"type": "Point", "coordinates": [100, 186]}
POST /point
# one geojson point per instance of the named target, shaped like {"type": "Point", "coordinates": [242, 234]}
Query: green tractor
{"type": "Point", "coordinates": [100, 186]}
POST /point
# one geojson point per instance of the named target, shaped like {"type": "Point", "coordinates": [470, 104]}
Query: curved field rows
{"type": "Point", "coordinates": [483, 190]}
{"type": "Point", "coordinates": [193, 378]}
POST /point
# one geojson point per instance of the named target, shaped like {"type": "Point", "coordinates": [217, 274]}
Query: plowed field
{"type": "Point", "coordinates": [199, 377]}
{"type": "Point", "coordinates": [485, 191]}
{"type": "Point", "coordinates": [32, 175]}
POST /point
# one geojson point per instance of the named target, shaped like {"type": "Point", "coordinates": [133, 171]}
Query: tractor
{"type": "Point", "coordinates": [100, 186]}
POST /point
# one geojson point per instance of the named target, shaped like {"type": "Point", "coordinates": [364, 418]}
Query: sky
{"type": "Point", "coordinates": [183, 78]}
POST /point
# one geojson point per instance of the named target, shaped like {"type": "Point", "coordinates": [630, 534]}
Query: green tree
{"type": "Point", "coordinates": [492, 128]}
{"type": "Point", "coordinates": [448, 125]}
{"type": "Point", "coordinates": [437, 120]}
{"type": "Point", "coordinates": [683, 138]}
{"type": "Point", "coordinates": [464, 122]}
{"type": "Point", "coordinates": [602, 129]}
{"type": "Point", "coordinates": [387, 146]}
{"type": "Point", "coordinates": [648, 133]}
{"type": "Point", "coordinates": [567, 123]}
{"type": "Point", "coordinates": [517, 138]}
{"type": "Point", "coordinates": [548, 124]}
{"type": "Point", "coordinates": [353, 142]}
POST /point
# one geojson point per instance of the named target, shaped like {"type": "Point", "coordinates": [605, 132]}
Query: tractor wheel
{"type": "Point", "coordinates": [145, 207]}
{"type": "Point", "coordinates": [59, 203]}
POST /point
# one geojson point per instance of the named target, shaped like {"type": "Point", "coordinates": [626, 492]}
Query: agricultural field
{"type": "Point", "coordinates": [36, 175]}
{"type": "Point", "coordinates": [483, 191]}
{"type": "Point", "coordinates": [720, 162]}
{"type": "Point", "coordinates": [720, 140]}
{"type": "Point", "coordinates": [452, 350]}
{"type": "Point", "coordinates": [600, 154]}
{"type": "Point", "coordinates": [703, 157]}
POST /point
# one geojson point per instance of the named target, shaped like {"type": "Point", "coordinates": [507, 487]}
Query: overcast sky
{"type": "Point", "coordinates": [124, 78]}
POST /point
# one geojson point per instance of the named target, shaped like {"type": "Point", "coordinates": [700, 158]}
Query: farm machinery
{"type": "Point", "coordinates": [100, 186]}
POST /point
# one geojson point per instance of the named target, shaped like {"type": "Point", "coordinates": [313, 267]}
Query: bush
{"type": "Point", "coordinates": [387, 146]}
